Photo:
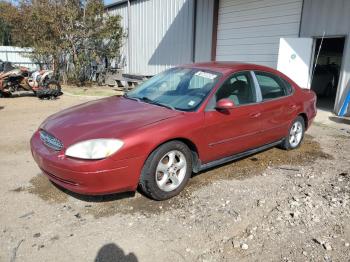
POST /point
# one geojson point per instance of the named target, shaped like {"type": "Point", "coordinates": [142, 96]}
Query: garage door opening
{"type": "Point", "coordinates": [327, 66]}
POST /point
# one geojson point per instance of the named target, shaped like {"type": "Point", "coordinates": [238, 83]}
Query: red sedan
{"type": "Point", "coordinates": [184, 120]}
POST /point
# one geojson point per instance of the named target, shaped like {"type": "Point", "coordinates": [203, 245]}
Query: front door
{"type": "Point", "coordinates": [234, 130]}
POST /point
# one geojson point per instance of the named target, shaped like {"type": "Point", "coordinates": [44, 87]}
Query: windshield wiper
{"type": "Point", "coordinates": [150, 101]}
{"type": "Point", "coordinates": [132, 98]}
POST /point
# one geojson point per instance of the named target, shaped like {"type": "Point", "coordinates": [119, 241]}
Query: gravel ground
{"type": "Point", "coordinates": [273, 206]}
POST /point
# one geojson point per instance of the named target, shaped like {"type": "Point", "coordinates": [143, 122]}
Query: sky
{"type": "Point", "coordinates": [107, 2]}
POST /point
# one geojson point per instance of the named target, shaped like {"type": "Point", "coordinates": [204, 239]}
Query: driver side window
{"type": "Point", "coordinates": [239, 88]}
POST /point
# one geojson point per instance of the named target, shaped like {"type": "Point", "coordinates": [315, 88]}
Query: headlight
{"type": "Point", "coordinates": [94, 149]}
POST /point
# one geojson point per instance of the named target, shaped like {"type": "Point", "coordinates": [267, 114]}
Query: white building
{"type": "Point", "coordinates": [18, 56]}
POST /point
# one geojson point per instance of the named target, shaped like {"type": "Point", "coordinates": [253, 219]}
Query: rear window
{"type": "Point", "coordinates": [198, 81]}
{"type": "Point", "coordinates": [271, 86]}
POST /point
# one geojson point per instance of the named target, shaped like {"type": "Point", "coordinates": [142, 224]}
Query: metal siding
{"type": "Point", "coordinates": [331, 17]}
{"type": "Point", "coordinates": [122, 10]}
{"type": "Point", "coordinates": [160, 36]}
{"type": "Point", "coordinates": [204, 26]}
{"type": "Point", "coordinates": [17, 56]}
{"type": "Point", "coordinates": [344, 86]}
{"type": "Point", "coordinates": [250, 30]}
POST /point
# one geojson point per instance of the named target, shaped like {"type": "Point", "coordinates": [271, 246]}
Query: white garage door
{"type": "Point", "coordinates": [250, 30]}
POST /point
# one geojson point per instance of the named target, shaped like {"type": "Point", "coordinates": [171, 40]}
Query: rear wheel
{"type": "Point", "coordinates": [295, 134]}
{"type": "Point", "coordinates": [166, 171]}
{"type": "Point", "coordinates": [51, 90]}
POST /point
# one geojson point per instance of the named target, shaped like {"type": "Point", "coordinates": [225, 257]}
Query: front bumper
{"type": "Point", "coordinates": [89, 177]}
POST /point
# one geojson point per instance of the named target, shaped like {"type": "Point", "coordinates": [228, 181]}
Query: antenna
{"type": "Point", "coordinates": [318, 54]}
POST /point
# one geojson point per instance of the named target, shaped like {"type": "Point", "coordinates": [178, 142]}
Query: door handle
{"type": "Point", "coordinates": [293, 106]}
{"type": "Point", "coordinates": [255, 115]}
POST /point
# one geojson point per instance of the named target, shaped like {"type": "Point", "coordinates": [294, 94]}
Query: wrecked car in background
{"type": "Point", "coordinates": [15, 79]}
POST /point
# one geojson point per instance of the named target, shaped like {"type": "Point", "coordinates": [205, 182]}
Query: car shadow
{"type": "Point", "coordinates": [2, 107]}
{"type": "Point", "coordinates": [126, 195]}
{"type": "Point", "coordinates": [252, 158]}
{"type": "Point", "coordinates": [26, 94]}
{"type": "Point", "coordinates": [96, 198]}
{"type": "Point", "coordinates": [112, 253]}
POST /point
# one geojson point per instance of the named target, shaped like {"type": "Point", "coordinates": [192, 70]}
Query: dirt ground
{"type": "Point", "coordinates": [91, 90]}
{"type": "Point", "coordinates": [273, 206]}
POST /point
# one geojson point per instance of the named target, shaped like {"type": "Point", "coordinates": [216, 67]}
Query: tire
{"type": "Point", "coordinates": [298, 129]}
{"type": "Point", "coordinates": [160, 185]}
{"type": "Point", "coordinates": [51, 90]}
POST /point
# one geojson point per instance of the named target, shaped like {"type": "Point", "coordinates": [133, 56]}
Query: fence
{"type": "Point", "coordinates": [18, 56]}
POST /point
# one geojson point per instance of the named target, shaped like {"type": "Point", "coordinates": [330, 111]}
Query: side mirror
{"type": "Point", "coordinates": [224, 104]}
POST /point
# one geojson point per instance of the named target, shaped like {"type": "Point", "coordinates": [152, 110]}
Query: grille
{"type": "Point", "coordinates": [50, 141]}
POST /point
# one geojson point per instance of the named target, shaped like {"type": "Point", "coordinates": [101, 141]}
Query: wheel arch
{"type": "Point", "coordinates": [190, 144]}
{"type": "Point", "coordinates": [306, 121]}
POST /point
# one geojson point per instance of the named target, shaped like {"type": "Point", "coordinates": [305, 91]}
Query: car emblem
{"type": "Point", "coordinates": [50, 141]}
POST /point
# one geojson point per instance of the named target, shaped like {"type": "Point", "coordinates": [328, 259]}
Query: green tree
{"type": "Point", "coordinates": [69, 33]}
{"type": "Point", "coordinates": [5, 29]}
{"type": "Point", "coordinates": [5, 37]}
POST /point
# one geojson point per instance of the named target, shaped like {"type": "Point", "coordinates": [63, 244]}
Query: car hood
{"type": "Point", "coordinates": [112, 117]}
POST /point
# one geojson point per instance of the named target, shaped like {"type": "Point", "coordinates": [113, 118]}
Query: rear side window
{"type": "Point", "coordinates": [288, 86]}
{"type": "Point", "coordinates": [271, 86]}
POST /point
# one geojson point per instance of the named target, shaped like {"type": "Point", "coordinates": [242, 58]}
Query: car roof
{"type": "Point", "coordinates": [227, 67]}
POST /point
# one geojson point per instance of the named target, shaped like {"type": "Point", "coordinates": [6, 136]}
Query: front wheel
{"type": "Point", "coordinates": [166, 171]}
{"type": "Point", "coordinates": [295, 134]}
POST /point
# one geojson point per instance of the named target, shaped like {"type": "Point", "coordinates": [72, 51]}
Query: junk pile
{"type": "Point", "coordinates": [16, 79]}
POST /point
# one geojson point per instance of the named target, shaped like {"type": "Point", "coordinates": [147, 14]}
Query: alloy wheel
{"type": "Point", "coordinates": [171, 170]}
{"type": "Point", "coordinates": [296, 134]}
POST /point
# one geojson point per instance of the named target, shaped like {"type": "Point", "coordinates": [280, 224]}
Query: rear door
{"type": "Point", "coordinates": [277, 106]}
{"type": "Point", "coordinates": [235, 130]}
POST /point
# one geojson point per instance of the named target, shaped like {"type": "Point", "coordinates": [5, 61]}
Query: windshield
{"type": "Point", "coordinates": [178, 88]}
